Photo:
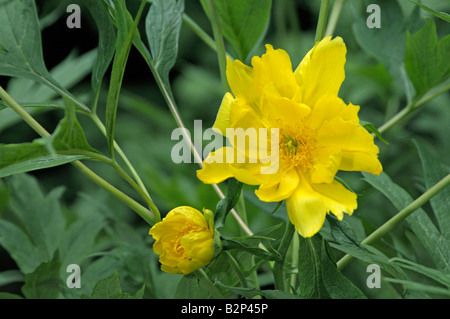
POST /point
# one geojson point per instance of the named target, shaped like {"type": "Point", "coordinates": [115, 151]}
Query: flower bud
{"type": "Point", "coordinates": [184, 239]}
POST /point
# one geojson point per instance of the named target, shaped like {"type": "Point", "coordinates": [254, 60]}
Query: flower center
{"type": "Point", "coordinates": [298, 146]}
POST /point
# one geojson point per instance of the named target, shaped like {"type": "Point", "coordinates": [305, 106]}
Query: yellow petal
{"type": "Point", "coordinates": [240, 80]}
{"type": "Point", "coordinates": [223, 116]}
{"type": "Point", "coordinates": [359, 152]}
{"type": "Point", "coordinates": [223, 164]}
{"type": "Point", "coordinates": [322, 71]}
{"type": "Point", "coordinates": [275, 67]}
{"type": "Point", "coordinates": [309, 204]}
{"type": "Point", "coordinates": [329, 107]}
{"type": "Point", "coordinates": [279, 190]}
{"type": "Point", "coordinates": [326, 165]}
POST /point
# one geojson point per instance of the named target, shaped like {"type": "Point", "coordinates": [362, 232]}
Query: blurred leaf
{"type": "Point", "coordinates": [110, 288]}
{"type": "Point", "coordinates": [162, 26]}
{"type": "Point", "coordinates": [252, 292]}
{"type": "Point", "coordinates": [392, 35]}
{"type": "Point", "coordinates": [5, 295]}
{"type": "Point", "coordinates": [44, 281]}
{"type": "Point", "coordinates": [189, 287]}
{"type": "Point", "coordinates": [427, 60]}
{"type": "Point", "coordinates": [442, 15]}
{"type": "Point", "coordinates": [225, 205]}
{"type": "Point", "coordinates": [124, 40]}
{"type": "Point", "coordinates": [243, 23]}
{"type": "Point", "coordinates": [106, 43]}
{"type": "Point", "coordinates": [437, 246]}
{"type": "Point", "coordinates": [440, 202]}
{"type": "Point", "coordinates": [10, 276]}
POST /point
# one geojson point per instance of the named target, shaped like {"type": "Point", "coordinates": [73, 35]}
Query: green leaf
{"type": "Point", "coordinates": [44, 282]}
{"type": "Point", "coordinates": [311, 284]}
{"type": "Point", "coordinates": [435, 243]}
{"type": "Point", "coordinates": [67, 144]}
{"type": "Point", "coordinates": [106, 44]}
{"type": "Point", "coordinates": [10, 276]}
{"type": "Point", "coordinates": [20, 45]}
{"type": "Point", "coordinates": [427, 60]}
{"type": "Point", "coordinates": [189, 287]}
{"type": "Point", "coordinates": [240, 245]}
{"type": "Point", "coordinates": [442, 15]}
{"type": "Point", "coordinates": [124, 40]}
{"type": "Point", "coordinates": [318, 274]}
{"type": "Point", "coordinates": [243, 23]}
{"type": "Point", "coordinates": [337, 285]}
{"type": "Point", "coordinates": [162, 25]}
{"type": "Point", "coordinates": [5, 295]}
{"type": "Point", "coordinates": [373, 129]}
{"type": "Point", "coordinates": [20, 40]}
{"type": "Point", "coordinates": [437, 275]}
{"type": "Point", "coordinates": [346, 241]}
{"type": "Point", "coordinates": [26, 157]}
{"type": "Point", "coordinates": [110, 288]}
{"type": "Point", "coordinates": [225, 205]}
{"type": "Point", "coordinates": [433, 173]}
{"type": "Point", "coordinates": [420, 287]}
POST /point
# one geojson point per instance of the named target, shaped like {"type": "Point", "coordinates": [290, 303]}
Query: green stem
{"type": "Point", "coordinates": [278, 269]}
{"type": "Point", "coordinates": [237, 269]}
{"type": "Point", "coordinates": [138, 208]}
{"type": "Point", "coordinates": [294, 248]}
{"type": "Point", "coordinates": [208, 284]}
{"type": "Point", "coordinates": [409, 109]}
{"type": "Point", "coordinates": [142, 189]}
{"type": "Point", "coordinates": [399, 217]}
{"type": "Point", "coordinates": [220, 45]}
{"type": "Point", "coordinates": [334, 17]}
{"type": "Point", "coordinates": [320, 30]}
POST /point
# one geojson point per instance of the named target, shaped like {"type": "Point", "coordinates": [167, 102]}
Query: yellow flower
{"type": "Point", "coordinates": [318, 134]}
{"type": "Point", "coordinates": [184, 240]}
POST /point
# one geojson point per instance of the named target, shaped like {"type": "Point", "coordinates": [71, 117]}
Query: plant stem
{"type": "Point", "coordinates": [220, 45]}
{"type": "Point", "coordinates": [278, 269]}
{"type": "Point", "coordinates": [130, 167]}
{"type": "Point", "coordinates": [320, 30]}
{"type": "Point", "coordinates": [334, 17]}
{"type": "Point", "coordinates": [208, 284]}
{"type": "Point", "coordinates": [413, 107]}
{"type": "Point", "coordinates": [138, 208]}
{"type": "Point", "coordinates": [294, 247]}
{"type": "Point", "coordinates": [399, 217]}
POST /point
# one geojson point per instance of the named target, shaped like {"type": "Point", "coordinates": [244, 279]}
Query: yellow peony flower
{"type": "Point", "coordinates": [318, 134]}
{"type": "Point", "coordinates": [184, 240]}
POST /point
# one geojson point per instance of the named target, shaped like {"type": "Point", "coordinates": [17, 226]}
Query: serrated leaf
{"type": "Point", "coordinates": [110, 288]}
{"type": "Point", "coordinates": [427, 60]}
{"type": "Point", "coordinates": [437, 275]}
{"type": "Point", "coordinates": [240, 245]}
